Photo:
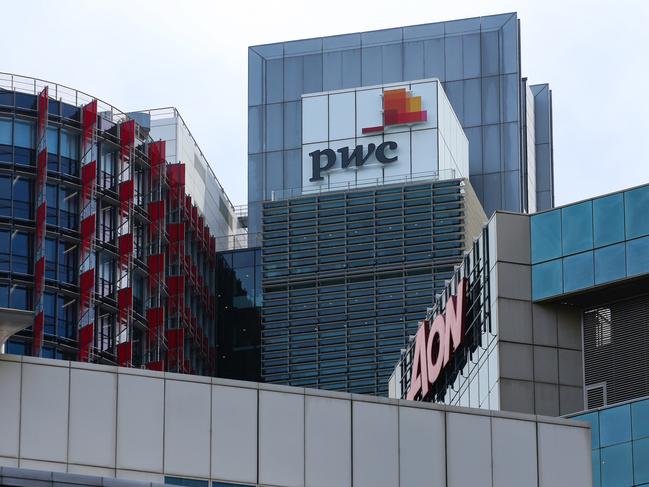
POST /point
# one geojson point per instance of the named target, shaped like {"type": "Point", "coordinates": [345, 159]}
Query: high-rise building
{"type": "Point", "coordinates": [507, 121]}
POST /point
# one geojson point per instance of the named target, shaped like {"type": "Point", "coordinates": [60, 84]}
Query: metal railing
{"type": "Point", "coordinates": [327, 186]}
{"type": "Point", "coordinates": [237, 241]}
{"type": "Point", "coordinates": [59, 92]}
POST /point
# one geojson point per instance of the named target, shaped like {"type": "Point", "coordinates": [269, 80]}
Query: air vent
{"type": "Point", "coordinates": [596, 396]}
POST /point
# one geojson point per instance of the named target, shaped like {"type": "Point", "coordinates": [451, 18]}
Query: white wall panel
{"type": "Point", "coordinates": [234, 434]}
{"type": "Point", "coordinates": [424, 151]}
{"type": "Point", "coordinates": [44, 409]}
{"type": "Point", "coordinates": [93, 402]}
{"type": "Point", "coordinates": [428, 92]}
{"type": "Point", "coordinates": [140, 420]}
{"type": "Point", "coordinates": [41, 465]}
{"type": "Point", "coordinates": [422, 448]}
{"type": "Point", "coordinates": [376, 445]}
{"type": "Point", "coordinates": [187, 428]}
{"type": "Point", "coordinates": [513, 453]}
{"type": "Point", "coordinates": [564, 456]}
{"type": "Point", "coordinates": [328, 442]}
{"type": "Point", "coordinates": [468, 438]}
{"type": "Point", "coordinates": [369, 109]}
{"type": "Point", "coordinates": [281, 439]}
{"type": "Point", "coordinates": [315, 126]}
{"type": "Point", "coordinates": [342, 116]}
{"type": "Point", "coordinates": [9, 407]}
{"type": "Point", "coordinates": [138, 475]}
{"type": "Point", "coordinates": [400, 169]}
{"type": "Point", "coordinates": [8, 462]}
{"type": "Point", "coordinates": [94, 471]}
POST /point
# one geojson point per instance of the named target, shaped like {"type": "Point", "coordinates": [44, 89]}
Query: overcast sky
{"type": "Point", "coordinates": [193, 55]}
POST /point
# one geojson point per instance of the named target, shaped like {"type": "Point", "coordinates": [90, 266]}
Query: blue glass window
{"type": "Point", "coordinates": [617, 468]}
{"type": "Point", "coordinates": [20, 253]}
{"type": "Point", "coordinates": [577, 228]}
{"type": "Point", "coordinates": [19, 298]}
{"type": "Point", "coordinates": [637, 256]}
{"type": "Point", "coordinates": [186, 482]}
{"type": "Point", "coordinates": [546, 279]}
{"type": "Point", "coordinates": [25, 135]}
{"type": "Point", "coordinates": [5, 239]}
{"type": "Point", "coordinates": [636, 204]}
{"type": "Point", "coordinates": [22, 198]}
{"type": "Point", "coordinates": [5, 131]}
{"type": "Point", "coordinates": [610, 263]}
{"type": "Point", "coordinates": [5, 196]}
{"type": "Point", "coordinates": [641, 461]}
{"type": "Point", "coordinates": [640, 419]}
{"type": "Point", "coordinates": [67, 318]}
{"type": "Point", "coordinates": [615, 425]}
{"type": "Point", "coordinates": [50, 258]}
{"type": "Point", "coordinates": [49, 306]}
{"type": "Point", "coordinates": [578, 272]}
{"type": "Point", "coordinates": [546, 236]}
{"type": "Point", "coordinates": [608, 220]}
{"type": "Point", "coordinates": [224, 484]}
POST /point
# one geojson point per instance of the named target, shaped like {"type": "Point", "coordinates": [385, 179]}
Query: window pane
{"type": "Point", "coordinates": [25, 135]}
{"type": "Point", "coordinates": [274, 127]}
{"type": "Point", "coordinates": [615, 425]}
{"type": "Point", "coordinates": [293, 81]}
{"type": "Point", "coordinates": [616, 466]}
{"type": "Point", "coordinates": [5, 196]}
{"type": "Point", "coordinates": [577, 228]}
{"type": "Point", "coordinates": [274, 80]}
{"type": "Point", "coordinates": [608, 220]}
{"type": "Point", "coordinates": [640, 419]}
{"type": "Point", "coordinates": [22, 198]}
{"type": "Point", "coordinates": [546, 279]}
{"type": "Point", "coordinates": [636, 204]}
{"type": "Point", "coordinates": [5, 131]}
{"type": "Point", "coordinates": [371, 70]}
{"type": "Point", "coordinates": [637, 256]}
{"type": "Point", "coordinates": [610, 263]}
{"type": "Point", "coordinates": [292, 125]}
{"type": "Point", "coordinates": [313, 73]}
{"type": "Point", "coordinates": [255, 127]}
{"type": "Point", "coordinates": [641, 461]}
{"type": "Point", "coordinates": [546, 236]}
{"type": "Point", "coordinates": [578, 272]}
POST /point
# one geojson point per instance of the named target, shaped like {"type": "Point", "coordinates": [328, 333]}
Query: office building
{"type": "Point", "coordinates": [507, 121]}
{"type": "Point", "coordinates": [108, 237]}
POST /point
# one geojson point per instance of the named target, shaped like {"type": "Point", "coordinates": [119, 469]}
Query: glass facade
{"type": "Point", "coordinates": [620, 443]}
{"type": "Point", "coordinates": [346, 277]}
{"type": "Point", "coordinates": [478, 61]}
{"type": "Point", "coordinates": [238, 313]}
{"type": "Point", "coordinates": [591, 243]}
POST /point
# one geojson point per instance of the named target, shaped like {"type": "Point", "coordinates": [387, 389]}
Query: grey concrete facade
{"type": "Point", "coordinates": [105, 421]}
{"type": "Point", "coordinates": [540, 345]}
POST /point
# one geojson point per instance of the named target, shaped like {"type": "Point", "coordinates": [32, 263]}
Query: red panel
{"type": "Point", "coordinates": [89, 119]}
{"type": "Point", "coordinates": [175, 345]}
{"type": "Point", "coordinates": [88, 179]}
{"type": "Point", "coordinates": [43, 108]}
{"type": "Point", "coordinates": [176, 285]}
{"type": "Point", "coordinates": [176, 232]}
{"type": "Point", "coordinates": [159, 365]}
{"type": "Point", "coordinates": [156, 265]}
{"type": "Point", "coordinates": [126, 136]}
{"type": "Point", "coordinates": [157, 216]}
{"type": "Point", "coordinates": [86, 337]}
{"type": "Point", "coordinates": [194, 217]}
{"type": "Point", "coordinates": [155, 319]}
{"type": "Point", "coordinates": [157, 155]}
{"type": "Point", "coordinates": [41, 213]}
{"type": "Point", "coordinates": [37, 342]}
{"type": "Point", "coordinates": [176, 176]}
{"type": "Point", "coordinates": [125, 354]}
{"type": "Point", "coordinates": [124, 301]}
{"type": "Point", "coordinates": [87, 231]}
{"type": "Point", "coordinates": [41, 168]}
{"type": "Point", "coordinates": [125, 246]}
{"type": "Point", "coordinates": [86, 287]}
{"type": "Point", "coordinates": [125, 195]}
{"type": "Point", "coordinates": [39, 276]}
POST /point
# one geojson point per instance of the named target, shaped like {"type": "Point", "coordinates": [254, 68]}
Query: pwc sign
{"type": "Point", "coordinates": [436, 342]}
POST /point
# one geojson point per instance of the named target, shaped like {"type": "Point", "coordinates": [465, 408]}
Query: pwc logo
{"type": "Point", "coordinates": [436, 342]}
{"type": "Point", "coordinates": [399, 108]}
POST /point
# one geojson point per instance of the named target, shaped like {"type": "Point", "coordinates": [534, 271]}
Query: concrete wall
{"type": "Point", "coordinates": [142, 425]}
{"type": "Point", "coordinates": [541, 367]}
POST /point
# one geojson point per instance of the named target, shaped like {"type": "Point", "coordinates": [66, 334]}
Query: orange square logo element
{"type": "Point", "coordinates": [399, 108]}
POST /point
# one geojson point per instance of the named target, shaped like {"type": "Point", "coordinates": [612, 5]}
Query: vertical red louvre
{"type": "Point", "coordinates": [125, 247]}
{"type": "Point", "coordinates": [155, 319]}
{"type": "Point", "coordinates": [157, 217]}
{"type": "Point", "coordinates": [41, 212]}
{"type": "Point", "coordinates": [157, 156]}
{"type": "Point", "coordinates": [125, 354]}
{"type": "Point", "coordinates": [88, 221]}
{"type": "Point", "coordinates": [156, 264]}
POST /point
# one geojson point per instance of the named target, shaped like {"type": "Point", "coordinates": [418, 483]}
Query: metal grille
{"type": "Point", "coordinates": [616, 351]}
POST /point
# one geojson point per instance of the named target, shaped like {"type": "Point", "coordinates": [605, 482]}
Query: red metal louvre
{"type": "Point", "coordinates": [87, 231]}
{"type": "Point", "coordinates": [88, 179]}
{"type": "Point", "coordinates": [157, 156]}
{"type": "Point", "coordinates": [89, 119]}
{"type": "Point", "coordinates": [176, 285]}
{"type": "Point", "coordinates": [158, 365]}
{"type": "Point", "coordinates": [125, 195]}
{"type": "Point", "coordinates": [176, 350]}
{"type": "Point", "coordinates": [86, 286]}
{"type": "Point", "coordinates": [157, 216]}
{"type": "Point", "coordinates": [125, 354]}
{"type": "Point", "coordinates": [86, 337]}
{"type": "Point", "coordinates": [41, 168]}
{"type": "Point", "coordinates": [125, 246]}
{"type": "Point", "coordinates": [176, 176]}
{"type": "Point", "coordinates": [124, 299]}
{"type": "Point", "coordinates": [156, 264]}
{"type": "Point", "coordinates": [155, 318]}
{"type": "Point", "coordinates": [126, 136]}
{"type": "Point", "coordinates": [41, 213]}
{"type": "Point", "coordinates": [39, 276]}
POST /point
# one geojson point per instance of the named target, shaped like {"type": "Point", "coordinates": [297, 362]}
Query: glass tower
{"type": "Point", "coordinates": [478, 61]}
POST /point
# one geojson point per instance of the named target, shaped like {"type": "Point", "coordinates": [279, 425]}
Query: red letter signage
{"type": "Point", "coordinates": [435, 346]}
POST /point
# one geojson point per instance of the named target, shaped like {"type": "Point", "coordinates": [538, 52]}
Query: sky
{"type": "Point", "coordinates": [192, 54]}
